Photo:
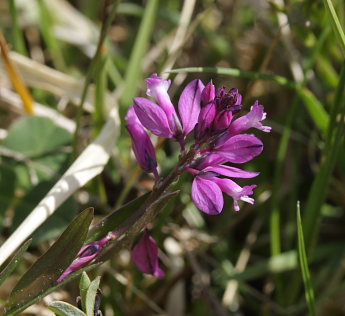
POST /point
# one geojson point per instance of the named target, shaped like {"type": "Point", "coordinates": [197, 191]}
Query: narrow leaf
{"type": "Point", "coordinates": [18, 308]}
{"type": "Point", "coordinates": [134, 72]}
{"type": "Point", "coordinates": [115, 219]}
{"type": "Point", "coordinates": [335, 24]}
{"type": "Point", "coordinates": [83, 286]}
{"type": "Point", "coordinates": [91, 296]}
{"type": "Point", "coordinates": [65, 309]}
{"type": "Point", "coordinates": [303, 261]}
{"type": "Point", "coordinates": [5, 273]}
{"type": "Point", "coordinates": [46, 270]}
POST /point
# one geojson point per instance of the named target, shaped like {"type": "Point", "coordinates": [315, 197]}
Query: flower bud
{"type": "Point", "coordinates": [205, 120]}
{"type": "Point", "coordinates": [222, 120]}
{"type": "Point", "coordinates": [141, 143]}
{"type": "Point", "coordinates": [208, 94]}
{"type": "Point", "coordinates": [157, 88]}
{"type": "Point", "coordinates": [145, 256]}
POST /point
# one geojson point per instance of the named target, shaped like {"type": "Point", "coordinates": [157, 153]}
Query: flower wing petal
{"type": "Point", "coordinates": [240, 148]}
{"type": "Point", "coordinates": [152, 117]}
{"type": "Point", "coordinates": [231, 172]}
{"type": "Point", "coordinates": [207, 196]}
{"type": "Point", "coordinates": [189, 105]}
{"type": "Point", "coordinates": [145, 255]}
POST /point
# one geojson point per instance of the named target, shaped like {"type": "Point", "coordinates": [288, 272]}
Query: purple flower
{"type": "Point", "coordinates": [239, 149]}
{"type": "Point", "coordinates": [162, 119]}
{"type": "Point", "coordinates": [141, 143]}
{"type": "Point", "coordinates": [208, 94]}
{"type": "Point", "coordinates": [85, 255]}
{"type": "Point", "coordinates": [251, 119]}
{"type": "Point", "coordinates": [145, 256]}
{"type": "Point", "coordinates": [218, 137]}
{"type": "Point", "coordinates": [208, 186]}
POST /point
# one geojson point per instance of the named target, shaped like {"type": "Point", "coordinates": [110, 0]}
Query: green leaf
{"type": "Point", "coordinates": [46, 270]}
{"type": "Point", "coordinates": [303, 261]}
{"type": "Point", "coordinates": [34, 136]}
{"type": "Point", "coordinates": [7, 189]}
{"type": "Point", "coordinates": [315, 109]}
{"type": "Point", "coordinates": [65, 309]}
{"type": "Point", "coordinates": [91, 296]}
{"type": "Point", "coordinates": [115, 219]}
{"type": "Point", "coordinates": [14, 310]}
{"type": "Point", "coordinates": [55, 224]}
{"type": "Point", "coordinates": [5, 273]}
{"type": "Point", "coordinates": [134, 224]}
{"type": "Point", "coordinates": [83, 286]}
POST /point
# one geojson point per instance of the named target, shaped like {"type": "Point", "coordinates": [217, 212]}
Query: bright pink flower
{"type": "Point", "coordinates": [145, 256]}
{"type": "Point", "coordinates": [85, 255]}
{"type": "Point", "coordinates": [162, 120]}
{"type": "Point", "coordinates": [250, 120]}
{"type": "Point", "coordinates": [218, 138]}
{"type": "Point", "coordinates": [141, 143]}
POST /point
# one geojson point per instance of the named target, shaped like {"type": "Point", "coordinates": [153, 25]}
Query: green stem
{"type": "Point", "coordinates": [90, 74]}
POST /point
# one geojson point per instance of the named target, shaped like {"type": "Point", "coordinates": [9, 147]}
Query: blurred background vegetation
{"type": "Point", "coordinates": [287, 54]}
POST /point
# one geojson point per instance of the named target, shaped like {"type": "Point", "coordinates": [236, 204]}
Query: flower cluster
{"type": "Point", "coordinates": [218, 137]}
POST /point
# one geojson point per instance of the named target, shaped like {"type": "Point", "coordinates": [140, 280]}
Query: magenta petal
{"type": "Point", "coordinates": [207, 196]}
{"type": "Point", "coordinates": [208, 94]}
{"type": "Point", "coordinates": [231, 172]}
{"type": "Point", "coordinates": [145, 256]}
{"type": "Point", "coordinates": [235, 191]}
{"type": "Point", "coordinates": [142, 146]}
{"type": "Point", "coordinates": [212, 159]}
{"type": "Point", "coordinates": [250, 120]}
{"type": "Point", "coordinates": [222, 120]}
{"type": "Point", "coordinates": [240, 148]}
{"type": "Point", "coordinates": [189, 105]}
{"type": "Point", "coordinates": [85, 255]}
{"type": "Point", "coordinates": [152, 117]}
{"type": "Point", "coordinates": [157, 88]}
{"type": "Point", "coordinates": [205, 120]}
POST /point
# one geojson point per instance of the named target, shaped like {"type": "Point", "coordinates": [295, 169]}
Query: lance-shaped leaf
{"type": "Point", "coordinates": [127, 231]}
{"type": "Point", "coordinates": [65, 309]}
{"type": "Point", "coordinates": [46, 270]}
{"type": "Point", "coordinates": [89, 164]}
{"type": "Point", "coordinates": [14, 310]}
{"type": "Point", "coordinates": [5, 273]}
{"type": "Point", "coordinates": [115, 219]}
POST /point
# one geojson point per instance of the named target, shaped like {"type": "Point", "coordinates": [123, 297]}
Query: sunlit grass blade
{"type": "Point", "coordinates": [303, 261]}
{"type": "Point", "coordinates": [335, 23]}
{"type": "Point", "coordinates": [15, 77]}
{"type": "Point", "coordinates": [134, 72]}
{"type": "Point", "coordinates": [18, 39]}
{"type": "Point", "coordinates": [46, 25]}
{"type": "Point", "coordinates": [89, 76]}
{"type": "Point", "coordinates": [314, 107]}
{"type": "Point", "coordinates": [238, 73]}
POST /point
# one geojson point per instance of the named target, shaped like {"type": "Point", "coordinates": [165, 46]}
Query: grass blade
{"type": "Point", "coordinates": [134, 73]}
{"type": "Point", "coordinates": [303, 261]}
{"type": "Point", "coordinates": [335, 23]}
